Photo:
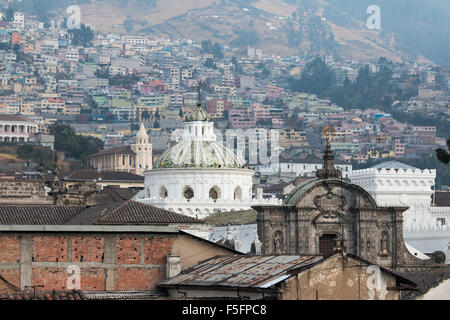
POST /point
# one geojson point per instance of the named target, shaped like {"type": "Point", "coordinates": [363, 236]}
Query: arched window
{"type": "Point", "coordinates": [188, 193]}
{"type": "Point", "coordinates": [163, 193]}
{"type": "Point", "coordinates": [214, 193]}
{"type": "Point", "coordinates": [238, 193]}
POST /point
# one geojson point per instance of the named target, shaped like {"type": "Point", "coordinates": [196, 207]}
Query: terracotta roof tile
{"type": "Point", "coordinates": [116, 150]}
{"type": "Point", "coordinates": [37, 214]}
{"type": "Point", "coordinates": [90, 175]}
{"type": "Point", "coordinates": [132, 212]}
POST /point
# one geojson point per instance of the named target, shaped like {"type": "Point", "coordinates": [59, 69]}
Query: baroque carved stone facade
{"type": "Point", "coordinates": [327, 213]}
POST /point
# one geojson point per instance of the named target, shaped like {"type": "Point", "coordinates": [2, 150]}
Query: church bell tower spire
{"type": "Point", "coordinates": [328, 170]}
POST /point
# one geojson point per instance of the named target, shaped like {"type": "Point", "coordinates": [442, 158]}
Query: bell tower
{"type": "Point", "coordinates": [143, 150]}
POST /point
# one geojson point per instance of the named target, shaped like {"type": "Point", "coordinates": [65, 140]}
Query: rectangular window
{"type": "Point", "coordinates": [440, 221]}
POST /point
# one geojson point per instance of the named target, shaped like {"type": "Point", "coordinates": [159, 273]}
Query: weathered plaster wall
{"type": "Point", "coordinates": [338, 278]}
{"type": "Point", "coordinates": [441, 292]}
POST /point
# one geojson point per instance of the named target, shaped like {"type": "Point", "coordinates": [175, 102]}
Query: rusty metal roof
{"type": "Point", "coordinates": [257, 272]}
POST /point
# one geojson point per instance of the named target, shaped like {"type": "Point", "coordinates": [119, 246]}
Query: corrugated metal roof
{"type": "Point", "coordinates": [242, 271]}
{"type": "Point", "coordinates": [122, 295]}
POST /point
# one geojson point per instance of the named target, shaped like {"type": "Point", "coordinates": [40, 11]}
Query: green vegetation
{"type": "Point", "coordinates": [245, 38]}
{"type": "Point", "coordinates": [370, 90]}
{"type": "Point", "coordinates": [75, 146]}
{"type": "Point", "coordinates": [82, 37]}
{"type": "Point", "coordinates": [215, 49]}
{"type": "Point", "coordinates": [443, 155]}
{"type": "Point", "coordinates": [42, 155]}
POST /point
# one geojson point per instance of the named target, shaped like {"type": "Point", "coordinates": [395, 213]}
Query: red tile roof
{"type": "Point", "coordinates": [118, 213]}
{"type": "Point", "coordinates": [13, 117]}
{"type": "Point", "coordinates": [117, 150]}
{"type": "Point", "coordinates": [37, 214]}
{"type": "Point", "coordinates": [90, 175]}
{"type": "Point", "coordinates": [132, 212]}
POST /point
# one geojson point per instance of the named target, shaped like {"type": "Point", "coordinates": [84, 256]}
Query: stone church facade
{"type": "Point", "coordinates": [325, 214]}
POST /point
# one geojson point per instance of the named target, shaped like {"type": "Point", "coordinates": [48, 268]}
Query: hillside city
{"type": "Point", "coordinates": [86, 115]}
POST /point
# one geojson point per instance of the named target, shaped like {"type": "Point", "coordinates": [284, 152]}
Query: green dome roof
{"type": "Point", "coordinates": [198, 154]}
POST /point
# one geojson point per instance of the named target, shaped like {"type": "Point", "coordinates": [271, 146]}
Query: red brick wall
{"type": "Point", "coordinates": [128, 250]}
{"type": "Point", "coordinates": [156, 250]}
{"type": "Point", "coordinates": [93, 279]}
{"type": "Point", "coordinates": [50, 278]}
{"type": "Point", "coordinates": [50, 255]}
{"type": "Point", "coordinates": [9, 249]}
{"type": "Point", "coordinates": [12, 276]}
{"type": "Point", "coordinates": [49, 249]}
{"type": "Point", "coordinates": [88, 249]}
{"type": "Point", "coordinates": [138, 279]}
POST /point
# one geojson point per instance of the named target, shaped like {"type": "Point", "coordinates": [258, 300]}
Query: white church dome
{"type": "Point", "coordinates": [199, 148]}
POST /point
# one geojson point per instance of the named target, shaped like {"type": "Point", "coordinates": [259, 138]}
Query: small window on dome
{"type": "Point", "coordinates": [188, 193]}
{"type": "Point", "coordinates": [163, 193]}
{"type": "Point", "coordinates": [238, 193]}
{"type": "Point", "coordinates": [214, 193]}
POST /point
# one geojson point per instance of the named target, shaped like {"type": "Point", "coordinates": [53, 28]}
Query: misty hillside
{"type": "Point", "coordinates": [415, 30]}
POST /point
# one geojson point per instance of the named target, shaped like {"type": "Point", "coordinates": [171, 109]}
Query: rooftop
{"type": "Point", "coordinates": [442, 198]}
{"type": "Point", "coordinates": [232, 218]}
{"type": "Point", "coordinates": [393, 165]}
{"type": "Point", "coordinates": [90, 175]}
{"type": "Point", "coordinates": [116, 150]}
{"type": "Point", "coordinates": [13, 117]}
{"type": "Point", "coordinates": [119, 213]}
{"type": "Point", "coordinates": [257, 272]}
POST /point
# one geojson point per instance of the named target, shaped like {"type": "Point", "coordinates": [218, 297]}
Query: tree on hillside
{"type": "Point", "coordinates": [42, 155]}
{"type": "Point", "coordinates": [76, 146]}
{"type": "Point", "coordinates": [443, 155]}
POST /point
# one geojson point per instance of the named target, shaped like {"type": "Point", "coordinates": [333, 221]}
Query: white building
{"type": "Point", "coordinates": [19, 20]}
{"type": "Point", "coordinates": [394, 183]}
{"type": "Point", "coordinates": [426, 226]}
{"type": "Point", "coordinates": [16, 128]}
{"type": "Point", "coordinates": [198, 176]}
{"type": "Point", "coordinates": [72, 55]}
{"type": "Point", "coordinates": [298, 169]}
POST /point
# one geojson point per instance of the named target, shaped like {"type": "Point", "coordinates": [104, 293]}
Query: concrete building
{"type": "Point", "coordinates": [393, 183]}
{"type": "Point", "coordinates": [300, 168]}
{"type": "Point", "coordinates": [15, 128]}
